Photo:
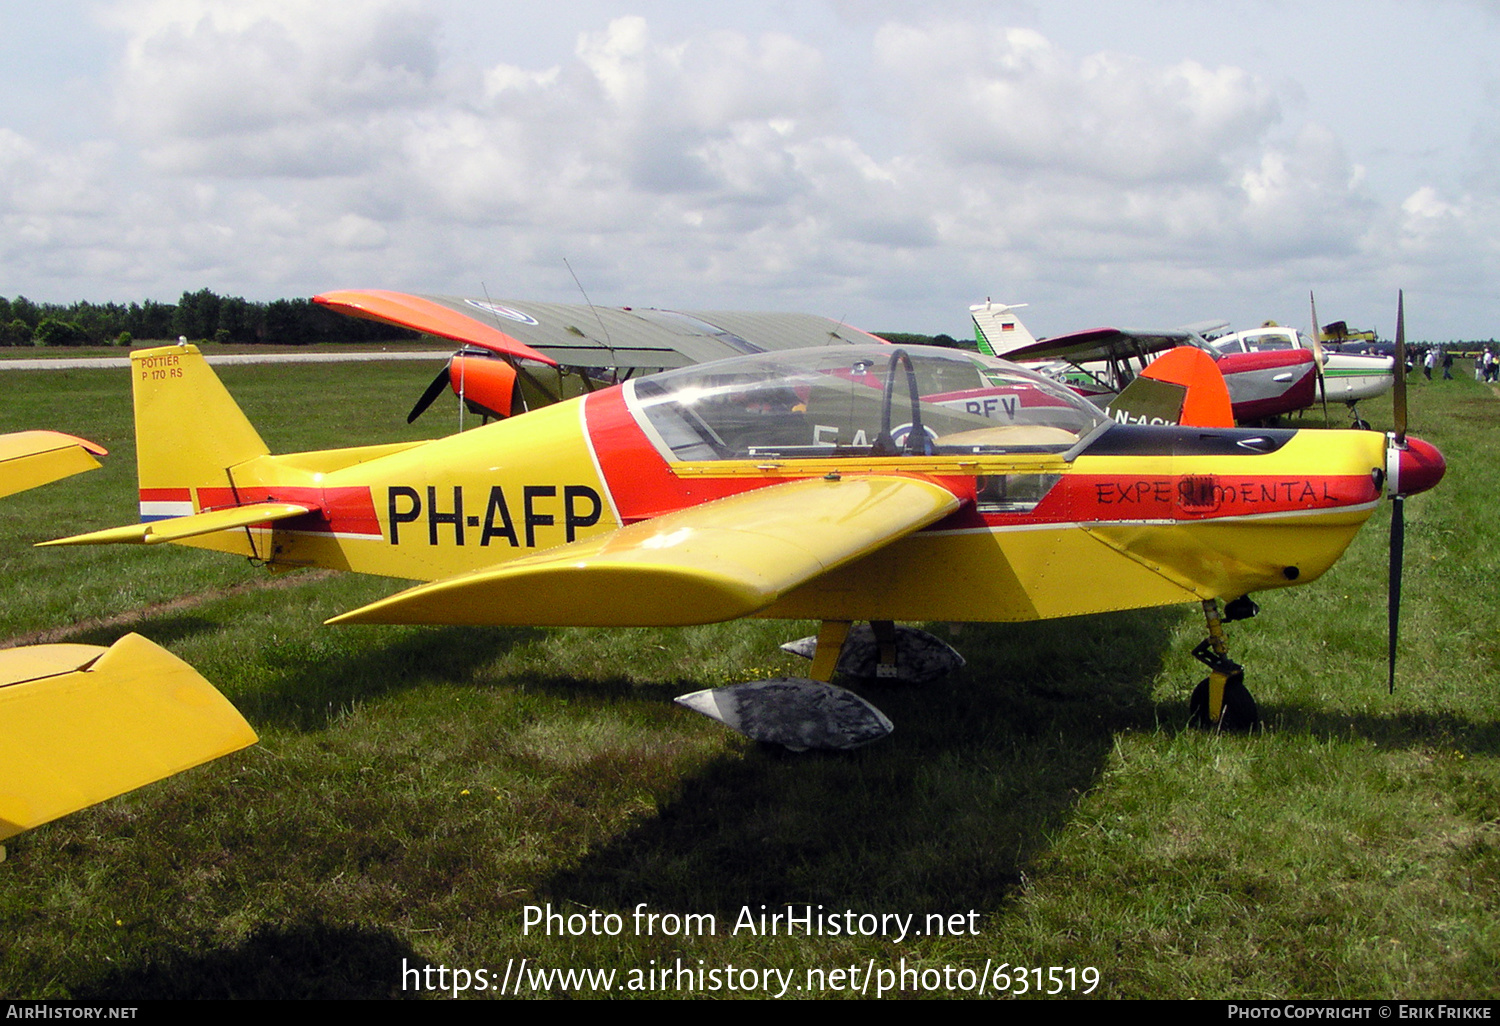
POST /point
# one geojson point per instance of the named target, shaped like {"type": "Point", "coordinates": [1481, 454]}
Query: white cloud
{"type": "Point", "coordinates": [1426, 205]}
{"type": "Point", "coordinates": [1305, 198]}
{"type": "Point", "coordinates": [507, 79]}
{"type": "Point", "coordinates": [1013, 97]}
{"type": "Point", "coordinates": [890, 166]}
{"type": "Point", "coordinates": [254, 87]}
{"type": "Point", "coordinates": [1446, 242]}
{"type": "Point", "coordinates": [36, 181]}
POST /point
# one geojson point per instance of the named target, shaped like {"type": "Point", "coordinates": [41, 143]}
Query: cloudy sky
{"type": "Point", "coordinates": [1140, 162]}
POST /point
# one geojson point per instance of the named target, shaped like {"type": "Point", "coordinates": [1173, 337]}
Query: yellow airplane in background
{"type": "Point", "coordinates": [82, 723]}
{"type": "Point", "coordinates": [846, 483]}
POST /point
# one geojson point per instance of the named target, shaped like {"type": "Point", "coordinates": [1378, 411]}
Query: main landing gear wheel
{"type": "Point", "coordinates": [1236, 709]}
{"type": "Point", "coordinates": [1239, 711]}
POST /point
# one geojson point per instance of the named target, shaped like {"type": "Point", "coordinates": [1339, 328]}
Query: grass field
{"type": "Point", "coordinates": [417, 789]}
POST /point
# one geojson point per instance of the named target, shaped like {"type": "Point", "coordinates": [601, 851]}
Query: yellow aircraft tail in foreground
{"type": "Point", "coordinates": [177, 396]}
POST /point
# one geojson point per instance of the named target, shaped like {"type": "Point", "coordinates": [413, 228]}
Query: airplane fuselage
{"type": "Point", "coordinates": [1136, 517]}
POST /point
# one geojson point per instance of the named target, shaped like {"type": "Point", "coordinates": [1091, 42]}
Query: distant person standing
{"type": "Point", "coordinates": [1447, 365]}
{"type": "Point", "coordinates": [1429, 362]}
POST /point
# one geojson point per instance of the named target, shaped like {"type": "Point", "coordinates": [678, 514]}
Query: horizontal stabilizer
{"type": "Point", "coordinates": [80, 723]}
{"type": "Point", "coordinates": [29, 459]}
{"type": "Point", "coordinates": [704, 564]}
{"type": "Point", "coordinates": [190, 526]}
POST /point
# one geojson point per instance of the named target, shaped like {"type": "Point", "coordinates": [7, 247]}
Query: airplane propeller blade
{"type": "Point", "coordinates": [1400, 369]}
{"type": "Point", "coordinates": [1398, 499]}
{"type": "Point", "coordinates": [1317, 341]}
{"type": "Point", "coordinates": [1393, 586]}
{"type": "Point", "coordinates": [439, 384]}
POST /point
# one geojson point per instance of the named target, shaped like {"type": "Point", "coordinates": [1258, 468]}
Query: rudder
{"type": "Point", "coordinates": [1182, 386]}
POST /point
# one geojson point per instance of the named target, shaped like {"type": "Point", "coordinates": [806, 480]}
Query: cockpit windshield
{"type": "Point", "coordinates": [857, 401]}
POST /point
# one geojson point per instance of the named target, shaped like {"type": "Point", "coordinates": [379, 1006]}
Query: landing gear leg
{"type": "Point", "coordinates": [882, 651]}
{"type": "Point", "coordinates": [885, 642]}
{"type": "Point", "coordinates": [1359, 424]}
{"type": "Point", "coordinates": [1221, 700]}
{"type": "Point", "coordinates": [831, 637]}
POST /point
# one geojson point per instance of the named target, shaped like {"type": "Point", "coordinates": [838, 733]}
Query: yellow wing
{"type": "Point", "coordinates": [79, 724]}
{"type": "Point", "coordinates": [32, 458]}
{"type": "Point", "coordinates": [703, 564]}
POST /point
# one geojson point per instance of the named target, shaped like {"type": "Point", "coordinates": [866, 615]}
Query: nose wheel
{"type": "Point", "coordinates": [1221, 701]}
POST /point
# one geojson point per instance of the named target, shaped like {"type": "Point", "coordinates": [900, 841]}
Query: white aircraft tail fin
{"type": "Point", "coordinates": [997, 329]}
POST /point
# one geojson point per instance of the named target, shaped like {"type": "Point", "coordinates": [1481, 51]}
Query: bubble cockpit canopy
{"type": "Point", "coordinates": [869, 400]}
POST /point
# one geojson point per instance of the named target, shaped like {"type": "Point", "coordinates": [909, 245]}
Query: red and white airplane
{"type": "Point", "coordinates": [1100, 362]}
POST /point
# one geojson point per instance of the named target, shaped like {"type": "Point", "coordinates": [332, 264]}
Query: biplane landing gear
{"type": "Point", "coordinates": [1221, 701]}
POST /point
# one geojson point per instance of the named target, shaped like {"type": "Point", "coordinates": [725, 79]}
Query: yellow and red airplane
{"type": "Point", "coordinates": [846, 483]}
{"type": "Point", "coordinates": [82, 723]}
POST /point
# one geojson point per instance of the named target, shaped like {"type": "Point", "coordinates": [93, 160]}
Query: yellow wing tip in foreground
{"type": "Point", "coordinates": [29, 459]}
{"type": "Point", "coordinates": [79, 724]}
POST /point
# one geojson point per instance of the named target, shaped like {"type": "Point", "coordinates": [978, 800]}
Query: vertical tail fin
{"type": "Point", "coordinates": [1181, 386]}
{"type": "Point", "coordinates": [189, 430]}
{"type": "Point", "coordinates": [997, 330]}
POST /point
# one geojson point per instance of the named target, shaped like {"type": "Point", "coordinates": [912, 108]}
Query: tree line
{"type": "Point", "coordinates": [202, 316]}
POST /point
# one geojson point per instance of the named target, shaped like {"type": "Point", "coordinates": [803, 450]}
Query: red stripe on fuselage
{"type": "Point", "coordinates": [1105, 498]}
{"type": "Point", "coordinates": [340, 510]}
{"type": "Point", "coordinates": [166, 495]}
{"type": "Point", "coordinates": [637, 477]}
{"type": "Point", "coordinates": [1209, 496]}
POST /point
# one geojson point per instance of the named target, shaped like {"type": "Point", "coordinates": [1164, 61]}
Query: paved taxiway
{"type": "Point", "coordinates": [105, 362]}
